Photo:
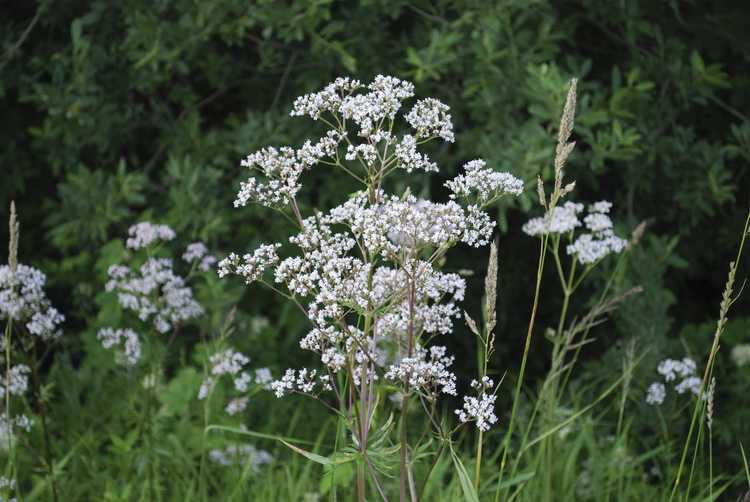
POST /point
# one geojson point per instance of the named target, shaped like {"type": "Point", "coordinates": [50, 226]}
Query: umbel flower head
{"type": "Point", "coordinates": [232, 365]}
{"type": "Point", "coordinates": [22, 295]}
{"type": "Point", "coordinates": [153, 290]}
{"type": "Point", "coordinates": [680, 373]}
{"type": "Point", "coordinates": [590, 247]}
{"type": "Point", "coordinates": [365, 273]}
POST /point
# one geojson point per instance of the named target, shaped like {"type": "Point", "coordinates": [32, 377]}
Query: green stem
{"type": "Point", "coordinates": [527, 346]}
{"type": "Point", "coordinates": [10, 468]}
{"type": "Point", "coordinates": [711, 358]}
{"type": "Point", "coordinates": [45, 430]}
{"type": "Point", "coordinates": [478, 466]}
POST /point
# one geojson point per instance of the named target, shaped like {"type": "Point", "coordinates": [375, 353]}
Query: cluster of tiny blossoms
{"type": "Point", "coordinates": [153, 291]}
{"type": "Point", "coordinates": [590, 247]}
{"type": "Point", "coordinates": [480, 409]}
{"type": "Point", "coordinates": [241, 454]}
{"type": "Point", "coordinates": [144, 234]}
{"type": "Point", "coordinates": [15, 383]}
{"type": "Point", "coordinates": [232, 365]}
{"type": "Point", "coordinates": [130, 352]}
{"type": "Point", "coordinates": [197, 253]}
{"type": "Point", "coordinates": [22, 299]}
{"type": "Point", "coordinates": [488, 184]}
{"type": "Point", "coordinates": [426, 369]}
{"type": "Point", "coordinates": [673, 371]}
{"type": "Point", "coordinates": [374, 256]}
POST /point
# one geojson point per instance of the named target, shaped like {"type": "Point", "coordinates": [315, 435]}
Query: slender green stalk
{"type": "Point", "coordinates": [522, 371]}
{"type": "Point", "coordinates": [403, 477]}
{"type": "Point", "coordinates": [726, 303]}
{"type": "Point", "coordinates": [45, 429]}
{"type": "Point", "coordinates": [10, 467]}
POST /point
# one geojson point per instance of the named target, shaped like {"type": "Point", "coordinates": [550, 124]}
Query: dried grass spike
{"type": "Point", "coordinates": [540, 192]}
{"type": "Point", "coordinates": [710, 403]}
{"type": "Point", "coordinates": [13, 231]}
{"type": "Point", "coordinates": [490, 289]}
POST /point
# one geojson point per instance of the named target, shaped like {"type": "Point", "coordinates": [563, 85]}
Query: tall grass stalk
{"type": "Point", "coordinates": [14, 230]}
{"type": "Point", "coordinates": [486, 341]}
{"type": "Point", "coordinates": [699, 408]}
{"type": "Point", "coordinates": [563, 150]}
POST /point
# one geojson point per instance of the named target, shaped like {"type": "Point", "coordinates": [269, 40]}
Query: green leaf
{"type": "Point", "coordinates": [333, 460]}
{"type": "Point", "coordinates": [180, 391]}
{"type": "Point", "coordinates": [470, 493]}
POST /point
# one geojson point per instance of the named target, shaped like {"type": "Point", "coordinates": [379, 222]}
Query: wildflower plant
{"type": "Point", "coordinates": [32, 324]}
{"type": "Point", "coordinates": [366, 273]}
{"type": "Point", "coordinates": [157, 302]}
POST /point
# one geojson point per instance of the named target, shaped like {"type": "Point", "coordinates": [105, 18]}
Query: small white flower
{"type": "Point", "coordinates": [111, 337]}
{"type": "Point", "coordinates": [430, 118]}
{"type": "Point", "coordinates": [18, 381]}
{"type": "Point", "coordinates": [144, 234]}
{"type": "Point", "coordinates": [692, 384]}
{"type": "Point", "coordinates": [237, 405]}
{"type": "Point", "coordinates": [250, 266]}
{"type": "Point", "coordinates": [198, 252]}
{"type": "Point", "coordinates": [488, 184]}
{"type": "Point", "coordinates": [656, 393]}
{"type": "Point", "coordinates": [562, 220]}
{"type": "Point", "coordinates": [241, 454]}
{"type": "Point", "coordinates": [154, 292]}
{"type": "Point", "coordinates": [22, 298]}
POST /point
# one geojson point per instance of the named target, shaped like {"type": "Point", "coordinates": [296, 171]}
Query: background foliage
{"type": "Point", "coordinates": [115, 112]}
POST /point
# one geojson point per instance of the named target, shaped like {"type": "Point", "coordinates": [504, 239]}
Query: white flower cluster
{"type": "Point", "coordinates": [590, 247]}
{"type": "Point", "coordinates": [154, 292]}
{"type": "Point", "coordinates": [13, 383]}
{"type": "Point", "coordinates": [241, 454]}
{"type": "Point", "coordinates": [22, 298]}
{"type": "Point", "coordinates": [480, 409]}
{"type": "Point", "coordinates": [304, 381]}
{"type": "Point", "coordinates": [430, 118]}
{"type": "Point", "coordinates": [426, 370]}
{"type": "Point", "coordinates": [197, 252]}
{"type": "Point", "coordinates": [232, 364]}
{"type": "Point", "coordinates": [130, 353]}
{"type": "Point", "coordinates": [410, 159]}
{"type": "Point", "coordinates": [382, 101]}
{"type": "Point", "coordinates": [601, 241]}
{"type": "Point", "coordinates": [656, 393]}
{"type": "Point", "coordinates": [18, 380]}
{"type": "Point", "coordinates": [281, 169]}
{"type": "Point", "coordinates": [673, 370]}
{"type": "Point", "coordinates": [250, 266]}
{"type": "Point", "coordinates": [327, 100]}
{"type": "Point", "coordinates": [9, 426]}
{"type": "Point", "coordinates": [144, 234]}
{"type": "Point", "coordinates": [488, 184]}
{"type": "Point", "coordinates": [374, 256]}
{"type": "Point", "coordinates": [563, 219]}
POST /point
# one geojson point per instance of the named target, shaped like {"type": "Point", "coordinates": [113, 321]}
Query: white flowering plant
{"type": "Point", "coordinates": [32, 325]}
{"type": "Point", "coordinates": [366, 273]}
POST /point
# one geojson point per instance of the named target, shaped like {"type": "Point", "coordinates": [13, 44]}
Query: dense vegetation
{"type": "Point", "coordinates": [121, 112]}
